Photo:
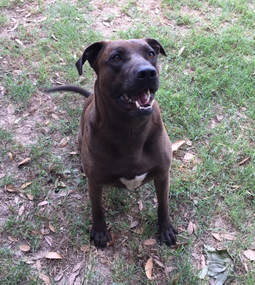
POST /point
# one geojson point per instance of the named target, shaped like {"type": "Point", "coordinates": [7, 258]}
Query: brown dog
{"type": "Point", "coordinates": [123, 141]}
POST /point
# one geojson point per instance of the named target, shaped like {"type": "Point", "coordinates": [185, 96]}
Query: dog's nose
{"type": "Point", "coordinates": [146, 72]}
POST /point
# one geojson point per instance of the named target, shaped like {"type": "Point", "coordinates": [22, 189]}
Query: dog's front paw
{"type": "Point", "coordinates": [167, 234]}
{"type": "Point", "coordinates": [100, 238]}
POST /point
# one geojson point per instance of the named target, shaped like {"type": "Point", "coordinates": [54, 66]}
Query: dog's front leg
{"type": "Point", "coordinates": [167, 233]}
{"type": "Point", "coordinates": [99, 232]}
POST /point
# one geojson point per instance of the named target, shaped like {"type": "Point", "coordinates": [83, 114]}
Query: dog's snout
{"type": "Point", "coordinates": [146, 72]}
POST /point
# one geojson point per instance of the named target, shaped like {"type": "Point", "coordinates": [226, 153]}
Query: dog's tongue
{"type": "Point", "coordinates": [144, 98]}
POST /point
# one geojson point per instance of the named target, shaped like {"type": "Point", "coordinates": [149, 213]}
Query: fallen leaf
{"type": "Point", "coordinates": [140, 205]}
{"type": "Point", "coordinates": [159, 263]}
{"type": "Point", "coordinates": [24, 161]}
{"type": "Point", "coordinates": [250, 254]}
{"type": "Point", "coordinates": [177, 145]}
{"type": "Point", "coordinates": [45, 278]}
{"type": "Point", "coordinates": [149, 242]}
{"type": "Point", "coordinates": [25, 185]}
{"type": "Point", "coordinates": [24, 247]}
{"type": "Point", "coordinates": [10, 155]}
{"type": "Point", "coordinates": [148, 268]}
{"type": "Point", "coordinates": [53, 255]}
{"type": "Point", "coordinates": [10, 188]}
{"type": "Point", "coordinates": [21, 210]}
{"type": "Point", "coordinates": [220, 265]}
{"type": "Point", "coordinates": [12, 239]}
{"type": "Point", "coordinates": [229, 236]}
{"type": "Point", "coordinates": [52, 228]}
{"type": "Point", "coordinates": [43, 203]}
{"type": "Point", "coordinates": [85, 248]}
{"type": "Point", "coordinates": [181, 51]}
{"type": "Point", "coordinates": [244, 161]}
{"type": "Point", "coordinates": [188, 156]}
{"type": "Point", "coordinates": [217, 236]}
{"type": "Point", "coordinates": [63, 142]}
{"type": "Point", "coordinates": [54, 116]}
{"type": "Point", "coordinates": [30, 196]}
{"type": "Point", "coordinates": [219, 118]}
{"type": "Point", "coordinates": [191, 228]}
{"type": "Point", "coordinates": [19, 42]}
{"type": "Point", "coordinates": [134, 224]}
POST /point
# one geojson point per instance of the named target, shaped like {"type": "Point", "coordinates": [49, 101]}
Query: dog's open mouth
{"type": "Point", "coordinates": [142, 101]}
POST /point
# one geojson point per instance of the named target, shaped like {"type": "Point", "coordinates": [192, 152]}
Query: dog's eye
{"type": "Point", "coordinates": [116, 57]}
{"type": "Point", "coordinates": [151, 54]}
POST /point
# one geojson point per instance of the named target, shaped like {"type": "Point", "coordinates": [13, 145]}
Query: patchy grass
{"type": "Point", "coordinates": [206, 97]}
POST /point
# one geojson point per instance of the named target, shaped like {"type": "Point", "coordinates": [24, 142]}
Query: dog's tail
{"type": "Point", "coordinates": [71, 88]}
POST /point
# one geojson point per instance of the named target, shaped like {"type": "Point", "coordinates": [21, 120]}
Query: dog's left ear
{"type": "Point", "coordinates": [90, 54]}
{"type": "Point", "coordinates": [156, 46]}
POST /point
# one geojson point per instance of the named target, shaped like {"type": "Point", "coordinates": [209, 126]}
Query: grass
{"type": "Point", "coordinates": [206, 96]}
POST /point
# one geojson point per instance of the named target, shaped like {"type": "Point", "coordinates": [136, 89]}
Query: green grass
{"type": "Point", "coordinates": [212, 78]}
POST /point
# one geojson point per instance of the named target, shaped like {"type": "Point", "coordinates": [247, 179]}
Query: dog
{"type": "Point", "coordinates": [122, 139]}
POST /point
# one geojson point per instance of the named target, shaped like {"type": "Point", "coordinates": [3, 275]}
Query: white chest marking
{"type": "Point", "coordinates": [131, 184]}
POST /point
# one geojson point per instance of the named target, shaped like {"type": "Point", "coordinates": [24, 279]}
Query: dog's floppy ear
{"type": "Point", "coordinates": [156, 46]}
{"type": "Point", "coordinates": [90, 54]}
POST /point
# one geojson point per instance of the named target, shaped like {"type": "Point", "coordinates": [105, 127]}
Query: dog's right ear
{"type": "Point", "coordinates": [90, 54]}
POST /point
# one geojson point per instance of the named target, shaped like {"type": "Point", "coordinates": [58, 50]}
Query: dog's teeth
{"type": "Point", "coordinates": [137, 104]}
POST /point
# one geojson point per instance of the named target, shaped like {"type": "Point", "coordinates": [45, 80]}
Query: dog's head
{"type": "Point", "coordinates": [126, 71]}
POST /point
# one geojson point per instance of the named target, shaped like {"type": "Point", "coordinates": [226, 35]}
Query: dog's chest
{"type": "Point", "coordinates": [131, 184]}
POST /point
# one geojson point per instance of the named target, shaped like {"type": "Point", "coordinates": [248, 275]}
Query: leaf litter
{"type": "Point", "coordinates": [220, 265]}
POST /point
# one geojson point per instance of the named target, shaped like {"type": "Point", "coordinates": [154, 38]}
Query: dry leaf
{"type": "Point", "coordinates": [54, 116]}
{"type": "Point", "coordinates": [21, 210]}
{"type": "Point", "coordinates": [24, 247]}
{"type": "Point", "coordinates": [149, 242]}
{"type": "Point", "coordinates": [247, 159]}
{"type": "Point", "coordinates": [63, 142]}
{"type": "Point", "coordinates": [217, 236]}
{"type": "Point", "coordinates": [148, 268]}
{"type": "Point", "coordinates": [10, 188]}
{"type": "Point", "coordinates": [228, 236]}
{"type": "Point", "coordinates": [177, 145]}
{"type": "Point", "coordinates": [45, 278]}
{"type": "Point", "coordinates": [85, 248]}
{"type": "Point", "coordinates": [30, 197]}
{"type": "Point", "coordinates": [25, 185]}
{"type": "Point", "coordinates": [250, 254]}
{"type": "Point", "coordinates": [24, 161]}
{"type": "Point", "coordinates": [140, 205]}
{"type": "Point", "coordinates": [134, 224]}
{"type": "Point", "coordinates": [181, 51]}
{"type": "Point", "coordinates": [159, 263]}
{"type": "Point", "coordinates": [53, 255]}
{"type": "Point", "coordinates": [43, 203]}
{"type": "Point", "coordinates": [191, 228]}
{"type": "Point", "coordinates": [52, 228]}
{"type": "Point", "coordinates": [219, 118]}
{"type": "Point", "coordinates": [12, 239]}
{"type": "Point", "coordinates": [10, 155]}
{"type": "Point", "coordinates": [188, 156]}
{"type": "Point", "coordinates": [19, 42]}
